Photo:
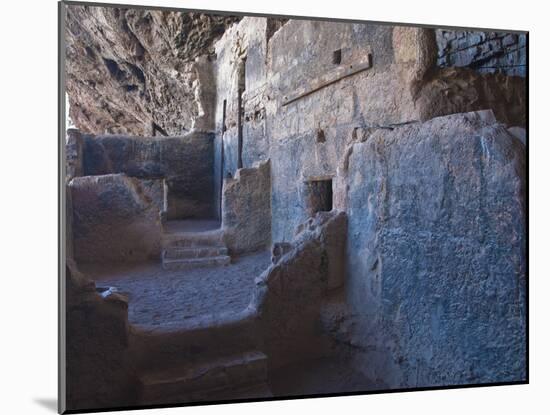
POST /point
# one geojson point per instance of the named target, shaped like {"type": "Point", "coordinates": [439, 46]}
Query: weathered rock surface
{"type": "Point", "coordinates": [241, 376]}
{"type": "Point", "coordinates": [116, 218]}
{"type": "Point", "coordinates": [456, 90]}
{"type": "Point", "coordinates": [99, 370]}
{"type": "Point", "coordinates": [278, 249]}
{"type": "Point", "coordinates": [436, 252]}
{"type": "Point", "coordinates": [130, 68]}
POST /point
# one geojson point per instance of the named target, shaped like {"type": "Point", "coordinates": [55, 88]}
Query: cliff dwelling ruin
{"type": "Point", "coordinates": [268, 207]}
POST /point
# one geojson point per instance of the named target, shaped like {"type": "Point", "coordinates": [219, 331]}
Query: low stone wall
{"type": "Point", "coordinates": [485, 52]}
{"type": "Point", "coordinates": [289, 295]}
{"type": "Point", "coordinates": [186, 163]}
{"type": "Point", "coordinates": [100, 373]}
{"type": "Point", "coordinates": [246, 211]}
{"type": "Point", "coordinates": [116, 218]}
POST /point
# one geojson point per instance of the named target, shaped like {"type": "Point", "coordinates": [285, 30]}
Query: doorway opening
{"type": "Point", "coordinates": [318, 195]}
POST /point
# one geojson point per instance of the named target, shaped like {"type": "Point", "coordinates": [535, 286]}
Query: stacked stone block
{"type": "Point", "coordinates": [486, 52]}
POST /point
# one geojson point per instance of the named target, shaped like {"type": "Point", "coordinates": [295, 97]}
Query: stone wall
{"type": "Point", "coordinates": [486, 52]}
{"type": "Point", "coordinates": [327, 87]}
{"type": "Point", "coordinates": [436, 252]}
{"type": "Point", "coordinates": [185, 163]}
{"type": "Point", "coordinates": [236, 72]}
{"type": "Point", "coordinates": [241, 69]}
{"type": "Point", "coordinates": [289, 295]}
{"type": "Point", "coordinates": [100, 372]}
{"type": "Point", "coordinates": [116, 218]}
{"type": "Point", "coordinates": [301, 108]}
{"type": "Point", "coordinates": [246, 207]}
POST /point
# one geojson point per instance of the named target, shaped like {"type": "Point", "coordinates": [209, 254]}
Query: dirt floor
{"type": "Point", "coordinates": [158, 297]}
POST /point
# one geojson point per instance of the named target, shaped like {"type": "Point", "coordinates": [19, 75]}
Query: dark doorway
{"type": "Point", "coordinates": [318, 196]}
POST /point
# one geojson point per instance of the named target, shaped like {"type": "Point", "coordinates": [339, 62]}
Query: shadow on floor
{"type": "Point", "coordinates": [191, 225]}
{"type": "Point", "coordinates": [48, 403]}
{"type": "Point", "coordinates": [319, 376]}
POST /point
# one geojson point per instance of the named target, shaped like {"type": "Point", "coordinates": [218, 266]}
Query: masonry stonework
{"type": "Point", "coordinates": [379, 172]}
{"type": "Point", "coordinates": [486, 52]}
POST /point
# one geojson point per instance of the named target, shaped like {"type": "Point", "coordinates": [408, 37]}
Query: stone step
{"type": "Point", "coordinates": [241, 375]}
{"type": "Point", "coordinates": [181, 264]}
{"type": "Point", "coordinates": [160, 348]}
{"type": "Point", "coordinates": [212, 238]}
{"type": "Point", "coordinates": [178, 252]}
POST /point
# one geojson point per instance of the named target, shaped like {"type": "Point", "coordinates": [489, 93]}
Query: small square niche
{"type": "Point", "coordinates": [337, 57]}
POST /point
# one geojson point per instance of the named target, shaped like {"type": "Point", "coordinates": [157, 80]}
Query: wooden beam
{"type": "Point", "coordinates": [328, 79]}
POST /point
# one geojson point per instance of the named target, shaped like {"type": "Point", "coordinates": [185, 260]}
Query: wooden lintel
{"type": "Point", "coordinates": [328, 79]}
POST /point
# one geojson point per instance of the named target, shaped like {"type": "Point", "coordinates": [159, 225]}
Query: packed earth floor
{"type": "Point", "coordinates": [157, 296]}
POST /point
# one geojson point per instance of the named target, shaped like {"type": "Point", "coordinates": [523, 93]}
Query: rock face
{"type": "Point", "coordinates": [455, 90]}
{"type": "Point", "coordinates": [436, 252]}
{"type": "Point", "coordinates": [116, 218]}
{"type": "Point", "coordinates": [130, 68]}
